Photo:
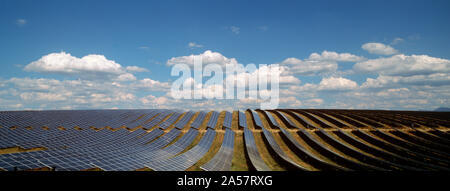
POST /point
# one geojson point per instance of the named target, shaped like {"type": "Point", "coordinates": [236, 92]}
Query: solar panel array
{"type": "Point", "coordinates": [187, 159]}
{"type": "Point", "coordinates": [227, 120]}
{"type": "Point", "coordinates": [88, 151]}
{"type": "Point", "coordinates": [289, 123]}
{"type": "Point", "coordinates": [274, 145]}
{"type": "Point", "coordinates": [176, 147]}
{"type": "Point", "coordinates": [253, 153]}
{"type": "Point", "coordinates": [304, 121]}
{"type": "Point", "coordinates": [222, 160]}
{"type": "Point", "coordinates": [256, 118]}
{"type": "Point", "coordinates": [183, 121]}
{"type": "Point", "coordinates": [308, 156]}
{"type": "Point", "coordinates": [124, 140]}
{"type": "Point", "coordinates": [213, 119]}
{"type": "Point", "coordinates": [158, 119]}
{"type": "Point", "coordinates": [199, 120]}
{"type": "Point", "coordinates": [316, 120]}
{"type": "Point", "coordinates": [242, 119]}
{"type": "Point", "coordinates": [272, 121]}
{"type": "Point", "coordinates": [166, 124]}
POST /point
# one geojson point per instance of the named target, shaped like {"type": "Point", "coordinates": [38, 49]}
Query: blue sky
{"type": "Point", "coordinates": [149, 33]}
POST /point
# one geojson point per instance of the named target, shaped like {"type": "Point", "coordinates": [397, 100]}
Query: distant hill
{"type": "Point", "coordinates": [442, 109]}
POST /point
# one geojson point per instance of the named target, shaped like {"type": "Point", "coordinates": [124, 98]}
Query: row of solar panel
{"type": "Point", "coordinates": [213, 120]}
{"type": "Point", "coordinates": [83, 119]}
{"type": "Point", "coordinates": [199, 120]}
{"type": "Point", "coordinates": [118, 119]}
{"type": "Point", "coordinates": [183, 121]}
{"type": "Point", "coordinates": [222, 159]}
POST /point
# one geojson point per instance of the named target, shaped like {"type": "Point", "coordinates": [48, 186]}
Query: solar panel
{"type": "Point", "coordinates": [183, 121]}
{"type": "Point", "coordinates": [228, 119]}
{"type": "Point", "coordinates": [329, 119]}
{"type": "Point", "coordinates": [253, 153]}
{"type": "Point", "coordinates": [120, 139]}
{"type": "Point", "coordinates": [66, 160]}
{"type": "Point", "coordinates": [256, 119]}
{"type": "Point", "coordinates": [222, 160]}
{"type": "Point", "coordinates": [151, 152]}
{"type": "Point", "coordinates": [187, 159]}
{"type": "Point", "coordinates": [272, 121]}
{"type": "Point", "coordinates": [390, 160]}
{"type": "Point", "coordinates": [142, 118]}
{"type": "Point", "coordinates": [274, 145]}
{"type": "Point", "coordinates": [242, 120]}
{"type": "Point", "coordinates": [164, 140]}
{"type": "Point", "coordinates": [126, 159]}
{"type": "Point", "coordinates": [20, 163]}
{"type": "Point", "coordinates": [286, 120]}
{"type": "Point", "coordinates": [165, 124]}
{"type": "Point", "coordinates": [393, 149]}
{"type": "Point", "coordinates": [181, 143]}
{"type": "Point", "coordinates": [199, 120]}
{"type": "Point", "coordinates": [303, 121]}
{"type": "Point", "coordinates": [157, 119]}
{"type": "Point", "coordinates": [406, 143]}
{"type": "Point", "coordinates": [376, 162]}
{"type": "Point", "coordinates": [308, 156]}
{"type": "Point", "coordinates": [324, 150]}
{"type": "Point", "coordinates": [213, 120]}
{"type": "Point", "coordinates": [135, 157]}
{"type": "Point", "coordinates": [52, 152]}
{"type": "Point", "coordinates": [313, 118]}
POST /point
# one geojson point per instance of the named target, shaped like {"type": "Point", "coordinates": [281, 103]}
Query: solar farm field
{"type": "Point", "coordinates": [245, 140]}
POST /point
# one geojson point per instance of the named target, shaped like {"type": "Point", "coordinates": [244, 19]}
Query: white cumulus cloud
{"type": "Point", "coordinates": [334, 56]}
{"type": "Point", "coordinates": [309, 67]}
{"type": "Point", "coordinates": [404, 65]}
{"type": "Point", "coordinates": [379, 48]}
{"type": "Point", "coordinates": [136, 69]}
{"type": "Point", "coordinates": [337, 83]}
{"type": "Point", "coordinates": [208, 57]}
{"type": "Point", "coordinates": [437, 79]}
{"type": "Point", "coordinates": [64, 63]}
{"type": "Point", "coordinates": [126, 77]}
{"type": "Point", "coordinates": [92, 66]}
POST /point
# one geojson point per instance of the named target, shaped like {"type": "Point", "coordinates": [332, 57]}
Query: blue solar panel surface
{"type": "Point", "coordinates": [253, 153]}
{"type": "Point", "coordinates": [242, 119]}
{"type": "Point", "coordinates": [227, 120]}
{"type": "Point", "coordinates": [199, 120]}
{"type": "Point", "coordinates": [256, 118]}
{"type": "Point", "coordinates": [213, 119]}
{"type": "Point", "coordinates": [222, 160]}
